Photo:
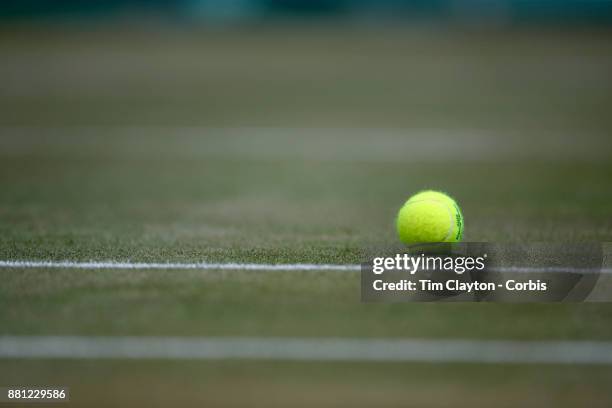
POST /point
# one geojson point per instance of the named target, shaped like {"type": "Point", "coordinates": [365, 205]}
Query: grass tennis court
{"type": "Point", "coordinates": [266, 146]}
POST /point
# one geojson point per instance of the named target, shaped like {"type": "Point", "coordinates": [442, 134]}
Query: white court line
{"type": "Point", "coordinates": [177, 265]}
{"type": "Point", "coordinates": [259, 267]}
{"type": "Point", "coordinates": [307, 349]}
{"type": "Point", "coordinates": [550, 269]}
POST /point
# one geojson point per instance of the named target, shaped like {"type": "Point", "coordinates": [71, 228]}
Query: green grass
{"type": "Point", "coordinates": [277, 210]}
{"type": "Point", "coordinates": [109, 150]}
{"type": "Point", "coordinates": [242, 303]}
{"type": "Point", "coordinates": [229, 384]}
{"type": "Point", "coordinates": [546, 79]}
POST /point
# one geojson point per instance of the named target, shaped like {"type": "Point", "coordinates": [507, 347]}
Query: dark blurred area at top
{"type": "Point", "coordinates": [228, 12]}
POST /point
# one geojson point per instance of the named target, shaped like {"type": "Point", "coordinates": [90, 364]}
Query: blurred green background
{"type": "Point", "coordinates": [275, 132]}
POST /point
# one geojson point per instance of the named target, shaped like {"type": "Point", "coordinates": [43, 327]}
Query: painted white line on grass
{"type": "Point", "coordinates": [307, 349]}
{"type": "Point", "coordinates": [549, 269]}
{"type": "Point", "coordinates": [323, 144]}
{"type": "Point", "coordinates": [260, 267]}
{"type": "Point", "coordinates": [177, 265]}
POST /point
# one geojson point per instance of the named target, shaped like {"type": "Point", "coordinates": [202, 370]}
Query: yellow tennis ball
{"type": "Point", "coordinates": [429, 216]}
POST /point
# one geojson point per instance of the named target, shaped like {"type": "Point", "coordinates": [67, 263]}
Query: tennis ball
{"type": "Point", "coordinates": [429, 216]}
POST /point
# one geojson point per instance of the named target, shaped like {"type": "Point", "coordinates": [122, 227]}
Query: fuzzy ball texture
{"type": "Point", "coordinates": [430, 216]}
